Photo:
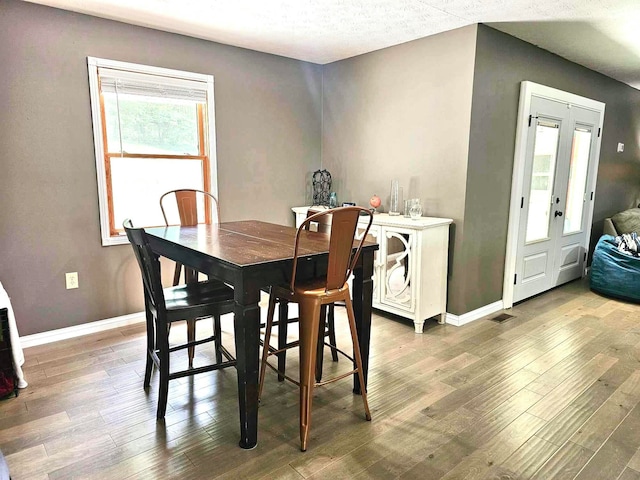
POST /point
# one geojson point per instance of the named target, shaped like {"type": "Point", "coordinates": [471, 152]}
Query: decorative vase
{"type": "Point", "coordinates": [394, 201]}
{"type": "Point", "coordinates": [333, 200]}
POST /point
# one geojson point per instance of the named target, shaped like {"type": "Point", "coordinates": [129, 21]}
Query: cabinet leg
{"type": "Point", "coordinates": [442, 318]}
{"type": "Point", "coordinates": [419, 324]}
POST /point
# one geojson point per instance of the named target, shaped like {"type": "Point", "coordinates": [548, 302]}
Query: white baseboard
{"type": "Point", "coordinates": [459, 320]}
{"type": "Point", "coordinates": [124, 320]}
{"type": "Point", "coordinates": [79, 330]}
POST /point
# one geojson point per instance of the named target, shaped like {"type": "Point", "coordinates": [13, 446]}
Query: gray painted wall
{"type": "Point", "coordinates": [404, 113]}
{"type": "Point", "coordinates": [268, 141]}
{"type": "Point", "coordinates": [433, 113]}
{"type": "Point", "coordinates": [502, 62]}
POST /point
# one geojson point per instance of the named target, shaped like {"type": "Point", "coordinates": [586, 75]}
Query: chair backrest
{"type": "Point", "coordinates": [149, 265]}
{"type": "Point", "coordinates": [323, 223]}
{"type": "Point", "coordinates": [187, 201]}
{"type": "Point", "coordinates": [342, 258]}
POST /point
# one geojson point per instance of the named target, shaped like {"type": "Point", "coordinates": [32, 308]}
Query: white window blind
{"type": "Point", "coordinates": [132, 83]}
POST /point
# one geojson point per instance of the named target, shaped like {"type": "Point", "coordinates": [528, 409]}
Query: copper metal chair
{"type": "Point", "coordinates": [192, 207]}
{"type": "Point", "coordinates": [323, 225]}
{"type": "Point", "coordinates": [191, 302]}
{"type": "Point", "coordinates": [311, 296]}
{"type": "Point", "coordinates": [187, 202]}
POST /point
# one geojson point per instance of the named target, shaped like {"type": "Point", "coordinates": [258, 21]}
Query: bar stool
{"type": "Point", "coordinates": [192, 302]}
{"type": "Point", "coordinates": [193, 207]}
{"type": "Point", "coordinates": [311, 296]}
{"type": "Point", "coordinates": [323, 225]}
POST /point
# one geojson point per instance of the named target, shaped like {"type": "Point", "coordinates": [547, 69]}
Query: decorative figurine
{"type": "Point", "coordinates": [375, 202]}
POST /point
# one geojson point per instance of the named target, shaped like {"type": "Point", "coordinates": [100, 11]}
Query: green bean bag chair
{"type": "Point", "coordinates": [614, 273]}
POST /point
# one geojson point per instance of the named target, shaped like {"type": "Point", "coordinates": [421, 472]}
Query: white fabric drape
{"type": "Point", "coordinates": [18, 355]}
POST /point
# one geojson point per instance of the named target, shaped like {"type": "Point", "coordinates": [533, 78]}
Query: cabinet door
{"type": "Point", "coordinates": [374, 236]}
{"type": "Point", "coordinates": [398, 249]}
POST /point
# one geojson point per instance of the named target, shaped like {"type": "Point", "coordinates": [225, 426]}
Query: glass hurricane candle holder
{"type": "Point", "coordinates": [415, 208]}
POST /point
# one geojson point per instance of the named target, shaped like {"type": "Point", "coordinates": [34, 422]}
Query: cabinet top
{"type": "Point", "coordinates": [393, 220]}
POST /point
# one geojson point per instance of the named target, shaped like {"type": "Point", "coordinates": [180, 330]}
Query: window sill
{"type": "Point", "coordinates": [119, 240]}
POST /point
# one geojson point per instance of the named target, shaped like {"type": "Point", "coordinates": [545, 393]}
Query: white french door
{"type": "Point", "coordinates": [551, 215]}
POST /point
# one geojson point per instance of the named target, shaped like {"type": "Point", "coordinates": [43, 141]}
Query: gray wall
{"type": "Point", "coordinates": [502, 62]}
{"type": "Point", "coordinates": [421, 112]}
{"type": "Point", "coordinates": [404, 113]}
{"type": "Point", "coordinates": [268, 140]}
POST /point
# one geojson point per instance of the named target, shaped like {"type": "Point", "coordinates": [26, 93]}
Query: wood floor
{"type": "Point", "coordinates": [552, 392]}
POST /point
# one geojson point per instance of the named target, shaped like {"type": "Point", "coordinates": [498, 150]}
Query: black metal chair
{"type": "Point", "coordinates": [163, 306]}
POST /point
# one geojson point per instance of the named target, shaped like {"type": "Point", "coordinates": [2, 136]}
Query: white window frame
{"type": "Point", "coordinates": [93, 64]}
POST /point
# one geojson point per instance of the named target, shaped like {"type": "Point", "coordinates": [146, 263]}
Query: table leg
{"type": "Point", "coordinates": [247, 333]}
{"type": "Point", "coordinates": [362, 300]}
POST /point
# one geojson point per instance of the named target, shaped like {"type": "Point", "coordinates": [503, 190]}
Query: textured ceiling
{"type": "Point", "coordinates": [599, 34]}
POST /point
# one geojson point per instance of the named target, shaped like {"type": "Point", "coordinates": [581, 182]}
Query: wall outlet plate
{"type": "Point", "coordinates": [71, 279]}
{"type": "Point", "coordinates": [620, 147]}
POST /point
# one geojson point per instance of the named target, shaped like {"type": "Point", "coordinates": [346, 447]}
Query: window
{"type": "Point", "coordinates": [153, 131]}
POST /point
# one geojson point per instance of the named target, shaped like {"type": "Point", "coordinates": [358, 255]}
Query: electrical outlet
{"type": "Point", "coordinates": [620, 148]}
{"type": "Point", "coordinates": [72, 280]}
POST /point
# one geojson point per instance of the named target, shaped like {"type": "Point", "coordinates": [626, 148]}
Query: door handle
{"type": "Point", "coordinates": [557, 214]}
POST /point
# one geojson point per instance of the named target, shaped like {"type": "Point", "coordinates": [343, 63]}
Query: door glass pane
{"type": "Point", "coordinates": [577, 180]}
{"type": "Point", "coordinates": [542, 176]}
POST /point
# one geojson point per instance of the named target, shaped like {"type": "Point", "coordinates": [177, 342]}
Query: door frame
{"type": "Point", "coordinates": [527, 91]}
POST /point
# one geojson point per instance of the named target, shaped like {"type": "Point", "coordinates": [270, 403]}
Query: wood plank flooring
{"type": "Point", "coordinates": [551, 393]}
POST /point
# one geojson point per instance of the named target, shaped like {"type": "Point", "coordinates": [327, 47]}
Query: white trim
{"type": "Point", "coordinates": [459, 320]}
{"type": "Point", "coordinates": [94, 92]}
{"type": "Point", "coordinates": [80, 330]}
{"type": "Point", "coordinates": [148, 69]}
{"type": "Point", "coordinates": [212, 145]}
{"type": "Point", "coordinates": [527, 91]}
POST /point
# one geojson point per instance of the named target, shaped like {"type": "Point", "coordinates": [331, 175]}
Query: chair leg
{"type": "Point", "coordinates": [331, 326]}
{"type": "Point", "coordinates": [190, 276]}
{"type": "Point", "coordinates": [163, 384]}
{"type": "Point", "coordinates": [265, 346]}
{"type": "Point", "coordinates": [320, 344]}
{"type": "Point", "coordinates": [217, 332]}
{"type": "Point", "coordinates": [150, 348]}
{"type": "Point", "coordinates": [176, 274]}
{"type": "Point", "coordinates": [191, 337]}
{"type": "Point", "coordinates": [283, 324]}
{"type": "Point", "coordinates": [309, 329]}
{"type": "Point", "coordinates": [356, 356]}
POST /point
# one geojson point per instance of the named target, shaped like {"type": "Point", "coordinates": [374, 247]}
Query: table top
{"type": "Point", "coordinates": [246, 243]}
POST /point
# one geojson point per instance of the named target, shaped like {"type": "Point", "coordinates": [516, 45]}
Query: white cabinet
{"type": "Point", "coordinates": [410, 275]}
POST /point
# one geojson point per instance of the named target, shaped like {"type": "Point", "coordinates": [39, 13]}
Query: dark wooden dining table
{"type": "Point", "coordinates": [251, 255]}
